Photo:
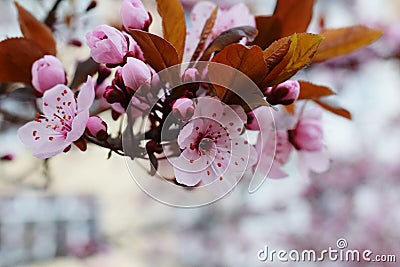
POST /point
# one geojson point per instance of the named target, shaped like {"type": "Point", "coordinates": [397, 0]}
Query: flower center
{"type": "Point", "coordinates": [205, 145]}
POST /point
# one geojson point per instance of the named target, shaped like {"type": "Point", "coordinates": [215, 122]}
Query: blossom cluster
{"type": "Point", "coordinates": [210, 126]}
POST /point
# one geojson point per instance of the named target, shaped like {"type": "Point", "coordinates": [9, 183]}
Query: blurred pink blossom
{"type": "Point", "coordinates": [308, 134]}
{"type": "Point", "coordinates": [237, 15]}
{"type": "Point", "coordinates": [307, 138]}
{"type": "Point", "coordinates": [276, 141]}
{"type": "Point", "coordinates": [272, 144]}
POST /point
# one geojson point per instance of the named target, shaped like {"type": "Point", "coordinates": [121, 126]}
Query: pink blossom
{"type": "Point", "coordinates": [97, 127]}
{"type": "Point", "coordinates": [213, 147]}
{"type": "Point", "coordinates": [47, 72]}
{"type": "Point", "coordinates": [140, 105]}
{"type": "Point", "coordinates": [237, 15]}
{"type": "Point", "coordinates": [307, 134]}
{"type": "Point", "coordinates": [134, 15]}
{"type": "Point", "coordinates": [107, 45]}
{"type": "Point", "coordinates": [272, 143]}
{"type": "Point", "coordinates": [191, 75]}
{"type": "Point", "coordinates": [284, 93]}
{"type": "Point", "coordinates": [117, 107]}
{"type": "Point", "coordinates": [314, 159]}
{"type": "Point", "coordinates": [62, 123]}
{"type": "Point", "coordinates": [183, 109]}
{"type": "Point", "coordinates": [135, 73]}
{"type": "Point", "coordinates": [307, 138]}
{"type": "Point", "coordinates": [124, 89]}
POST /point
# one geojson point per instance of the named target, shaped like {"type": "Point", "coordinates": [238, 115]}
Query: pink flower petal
{"type": "Point", "coordinates": [276, 172]}
{"type": "Point", "coordinates": [45, 141]}
{"type": "Point", "coordinates": [187, 178]}
{"type": "Point", "coordinates": [135, 73]}
{"type": "Point", "coordinates": [78, 126]}
{"type": "Point", "coordinates": [186, 136]}
{"type": "Point", "coordinates": [240, 157]}
{"type": "Point", "coordinates": [57, 146]}
{"type": "Point", "coordinates": [208, 176]}
{"type": "Point", "coordinates": [209, 150]}
{"type": "Point", "coordinates": [190, 161]}
{"type": "Point", "coordinates": [209, 107]}
{"type": "Point", "coordinates": [313, 161]}
{"type": "Point", "coordinates": [236, 16]}
{"type": "Point", "coordinates": [120, 109]}
{"type": "Point", "coordinates": [86, 95]}
{"type": "Point", "coordinates": [232, 121]}
{"type": "Point", "coordinates": [57, 100]}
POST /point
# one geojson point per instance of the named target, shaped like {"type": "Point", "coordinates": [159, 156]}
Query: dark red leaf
{"type": "Point", "coordinates": [294, 15]}
{"type": "Point", "coordinates": [269, 30]}
{"type": "Point", "coordinates": [312, 91]}
{"type": "Point", "coordinates": [158, 52]}
{"type": "Point", "coordinates": [16, 58]}
{"type": "Point", "coordinates": [36, 30]}
{"type": "Point", "coordinates": [333, 108]}
{"type": "Point", "coordinates": [173, 24]}
{"type": "Point", "coordinates": [248, 61]}
{"type": "Point", "coordinates": [208, 26]}
{"type": "Point", "coordinates": [342, 41]}
{"type": "Point", "coordinates": [228, 37]}
{"type": "Point", "coordinates": [299, 55]}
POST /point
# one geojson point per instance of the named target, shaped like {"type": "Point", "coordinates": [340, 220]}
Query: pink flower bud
{"type": "Point", "coordinates": [103, 74]}
{"type": "Point", "coordinates": [134, 15]}
{"type": "Point", "coordinates": [8, 157]}
{"type": "Point", "coordinates": [91, 5]}
{"type": "Point", "coordinates": [134, 49]}
{"type": "Point", "coordinates": [285, 93]}
{"type": "Point", "coordinates": [252, 123]}
{"type": "Point", "coordinates": [152, 146]}
{"type": "Point", "coordinates": [190, 75]}
{"type": "Point", "coordinates": [97, 128]}
{"type": "Point", "coordinates": [135, 73]}
{"type": "Point", "coordinates": [107, 45]}
{"type": "Point", "coordinates": [183, 109]}
{"type": "Point", "coordinates": [46, 73]}
{"type": "Point", "coordinates": [114, 95]}
{"type": "Point", "coordinates": [307, 135]}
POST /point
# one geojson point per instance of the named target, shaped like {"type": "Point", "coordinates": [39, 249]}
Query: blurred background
{"type": "Point", "coordinates": [80, 209]}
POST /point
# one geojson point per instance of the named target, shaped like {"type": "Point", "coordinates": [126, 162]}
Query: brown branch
{"type": "Point", "coordinates": [7, 116]}
{"type": "Point", "coordinates": [106, 144]}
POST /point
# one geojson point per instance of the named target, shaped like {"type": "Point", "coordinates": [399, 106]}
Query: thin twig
{"type": "Point", "coordinates": [51, 16]}
{"type": "Point", "coordinates": [104, 144]}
